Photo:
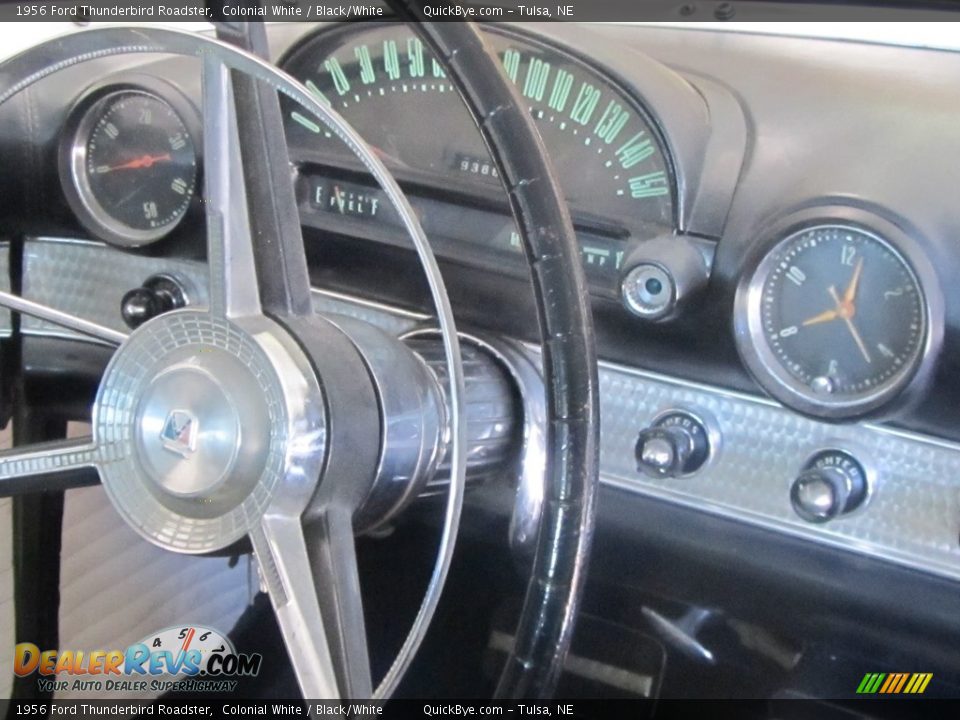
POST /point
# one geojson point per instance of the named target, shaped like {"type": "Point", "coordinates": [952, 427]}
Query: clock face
{"type": "Point", "coordinates": [837, 317]}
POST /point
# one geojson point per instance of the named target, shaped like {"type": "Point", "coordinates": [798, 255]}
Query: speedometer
{"type": "Point", "coordinates": [607, 151]}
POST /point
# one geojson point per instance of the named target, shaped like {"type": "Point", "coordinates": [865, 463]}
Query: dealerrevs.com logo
{"type": "Point", "coordinates": [189, 658]}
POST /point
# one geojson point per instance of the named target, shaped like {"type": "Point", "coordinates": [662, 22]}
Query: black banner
{"type": "Point", "coordinates": [899, 709]}
{"type": "Point", "coordinates": [484, 11]}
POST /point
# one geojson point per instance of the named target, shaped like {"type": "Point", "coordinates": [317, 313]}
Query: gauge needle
{"type": "Point", "coordinates": [823, 317]}
{"type": "Point", "coordinates": [845, 311]}
{"type": "Point", "coordinates": [851, 293]}
{"type": "Point", "coordinates": [338, 196]}
{"type": "Point", "coordinates": [187, 640]}
{"type": "Point", "coordinates": [144, 161]}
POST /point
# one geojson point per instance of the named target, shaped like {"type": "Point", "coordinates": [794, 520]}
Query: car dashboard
{"type": "Point", "coordinates": [767, 225]}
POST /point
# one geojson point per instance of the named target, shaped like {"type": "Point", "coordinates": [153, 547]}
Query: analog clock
{"type": "Point", "coordinates": [834, 320]}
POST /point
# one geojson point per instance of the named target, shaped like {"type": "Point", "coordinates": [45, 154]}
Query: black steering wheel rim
{"type": "Point", "coordinates": [567, 342]}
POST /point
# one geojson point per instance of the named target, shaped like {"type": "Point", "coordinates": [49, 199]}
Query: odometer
{"type": "Point", "coordinates": [836, 320]}
{"type": "Point", "coordinates": [607, 152]}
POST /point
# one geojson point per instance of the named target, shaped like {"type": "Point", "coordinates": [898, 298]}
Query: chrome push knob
{"type": "Point", "coordinates": [677, 444]}
{"type": "Point", "coordinates": [159, 294]}
{"type": "Point", "coordinates": [831, 484]}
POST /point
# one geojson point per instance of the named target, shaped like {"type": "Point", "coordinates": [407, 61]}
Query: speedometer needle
{"type": "Point", "coordinates": [144, 161]}
{"type": "Point", "coordinates": [845, 311]}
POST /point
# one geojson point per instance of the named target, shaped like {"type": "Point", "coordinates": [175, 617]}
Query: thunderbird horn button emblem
{"type": "Point", "coordinates": [180, 431]}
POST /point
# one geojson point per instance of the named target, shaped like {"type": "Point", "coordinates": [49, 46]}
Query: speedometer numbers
{"type": "Point", "coordinates": [834, 321]}
{"type": "Point", "coordinates": [384, 81]}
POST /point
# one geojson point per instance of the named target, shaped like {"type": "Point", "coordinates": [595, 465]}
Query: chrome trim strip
{"type": "Point", "coordinates": [6, 319]}
{"type": "Point", "coordinates": [913, 517]}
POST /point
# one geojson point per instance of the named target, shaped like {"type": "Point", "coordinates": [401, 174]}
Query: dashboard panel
{"type": "Point", "coordinates": [712, 141]}
{"type": "Point", "coordinates": [609, 155]}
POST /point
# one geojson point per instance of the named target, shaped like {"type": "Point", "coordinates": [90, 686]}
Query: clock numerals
{"type": "Point", "coordinates": [834, 333]}
{"type": "Point", "coordinates": [847, 254]}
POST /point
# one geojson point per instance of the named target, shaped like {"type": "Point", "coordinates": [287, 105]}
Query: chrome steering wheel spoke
{"type": "Point", "coordinates": [234, 290]}
{"type": "Point", "coordinates": [63, 319]}
{"type": "Point", "coordinates": [330, 538]}
{"type": "Point", "coordinates": [310, 573]}
{"type": "Point", "coordinates": [42, 467]}
{"type": "Point", "coordinates": [285, 566]}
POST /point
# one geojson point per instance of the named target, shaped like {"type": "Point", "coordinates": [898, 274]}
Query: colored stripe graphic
{"type": "Point", "coordinates": [891, 682]}
{"type": "Point", "coordinates": [918, 683]}
{"type": "Point", "coordinates": [894, 683]}
{"type": "Point", "coordinates": [903, 679]}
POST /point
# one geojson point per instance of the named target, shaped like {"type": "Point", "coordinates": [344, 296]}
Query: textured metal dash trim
{"type": "Point", "coordinates": [912, 517]}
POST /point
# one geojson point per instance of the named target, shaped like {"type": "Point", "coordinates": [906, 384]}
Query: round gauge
{"type": "Point", "coordinates": [132, 167]}
{"type": "Point", "coordinates": [203, 641]}
{"type": "Point", "coordinates": [834, 321]}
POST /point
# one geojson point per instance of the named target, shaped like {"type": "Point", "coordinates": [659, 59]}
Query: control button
{"type": "Point", "coordinates": [676, 444]}
{"type": "Point", "coordinates": [832, 483]}
{"type": "Point", "coordinates": [661, 275]}
{"type": "Point", "coordinates": [159, 294]}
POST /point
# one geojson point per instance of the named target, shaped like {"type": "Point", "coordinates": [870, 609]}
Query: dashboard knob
{"type": "Point", "coordinates": [159, 294]}
{"type": "Point", "coordinates": [831, 484]}
{"type": "Point", "coordinates": [676, 444]}
{"type": "Point", "coordinates": [661, 275]}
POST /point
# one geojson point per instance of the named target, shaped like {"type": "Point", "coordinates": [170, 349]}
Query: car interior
{"type": "Point", "coordinates": [499, 359]}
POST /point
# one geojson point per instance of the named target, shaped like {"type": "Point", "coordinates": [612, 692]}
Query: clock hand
{"type": "Point", "coordinates": [846, 312]}
{"type": "Point", "coordinates": [851, 292]}
{"type": "Point", "coordinates": [823, 317]}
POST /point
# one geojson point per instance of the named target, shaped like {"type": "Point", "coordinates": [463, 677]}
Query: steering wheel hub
{"type": "Point", "coordinates": [188, 424]}
{"type": "Point", "coordinates": [194, 414]}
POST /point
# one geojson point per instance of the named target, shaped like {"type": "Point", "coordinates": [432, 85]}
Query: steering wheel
{"type": "Point", "coordinates": [256, 417]}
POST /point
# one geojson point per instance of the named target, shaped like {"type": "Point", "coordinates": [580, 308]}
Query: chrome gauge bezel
{"type": "Point", "coordinates": [906, 386]}
{"type": "Point", "coordinates": [82, 120]}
